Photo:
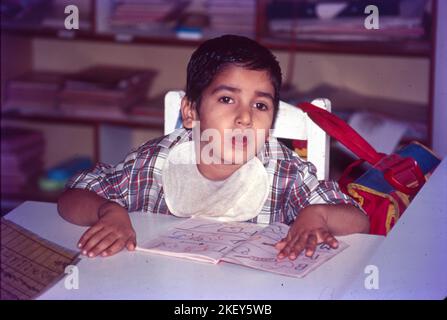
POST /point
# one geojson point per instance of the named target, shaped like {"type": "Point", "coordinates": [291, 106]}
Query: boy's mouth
{"type": "Point", "coordinates": [241, 141]}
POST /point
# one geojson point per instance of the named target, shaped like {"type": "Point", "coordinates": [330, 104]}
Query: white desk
{"type": "Point", "coordinates": [406, 259]}
{"type": "Point", "coordinates": [137, 275]}
{"type": "Point", "coordinates": [412, 261]}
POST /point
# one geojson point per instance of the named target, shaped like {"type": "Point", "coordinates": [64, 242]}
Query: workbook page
{"type": "Point", "coordinates": [201, 239]}
{"type": "Point", "coordinates": [259, 252]}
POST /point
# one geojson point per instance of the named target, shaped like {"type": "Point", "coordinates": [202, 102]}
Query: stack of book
{"type": "Point", "coordinates": [33, 92]}
{"type": "Point", "coordinates": [104, 91]}
{"type": "Point", "coordinates": [346, 20]}
{"type": "Point", "coordinates": [232, 16]}
{"type": "Point", "coordinates": [21, 158]}
{"type": "Point", "coordinates": [347, 29]}
{"type": "Point", "coordinates": [144, 14]}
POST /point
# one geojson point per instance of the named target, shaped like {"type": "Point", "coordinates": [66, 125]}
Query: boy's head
{"type": "Point", "coordinates": [213, 56]}
{"type": "Point", "coordinates": [232, 97]}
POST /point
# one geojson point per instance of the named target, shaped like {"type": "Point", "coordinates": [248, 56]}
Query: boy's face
{"type": "Point", "coordinates": [239, 106]}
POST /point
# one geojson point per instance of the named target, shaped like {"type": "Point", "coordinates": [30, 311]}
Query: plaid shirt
{"type": "Point", "coordinates": [136, 182]}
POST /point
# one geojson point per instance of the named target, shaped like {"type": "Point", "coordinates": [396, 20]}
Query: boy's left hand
{"type": "Point", "coordinates": [309, 229]}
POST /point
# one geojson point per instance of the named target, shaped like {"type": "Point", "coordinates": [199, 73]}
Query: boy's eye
{"type": "Point", "coordinates": [261, 106]}
{"type": "Point", "coordinates": [226, 100]}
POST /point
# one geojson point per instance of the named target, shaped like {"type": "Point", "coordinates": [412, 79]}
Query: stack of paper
{"type": "Point", "coordinates": [346, 20]}
{"type": "Point", "coordinates": [104, 90]}
{"type": "Point", "coordinates": [33, 92]}
{"type": "Point", "coordinates": [232, 16]}
{"type": "Point", "coordinates": [143, 14]}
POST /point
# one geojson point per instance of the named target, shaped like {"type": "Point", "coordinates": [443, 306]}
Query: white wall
{"type": "Point", "coordinates": [398, 78]}
{"type": "Point", "coordinates": [440, 94]}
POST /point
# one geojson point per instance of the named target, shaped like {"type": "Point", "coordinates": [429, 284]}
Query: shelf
{"type": "Point", "coordinates": [410, 48]}
{"type": "Point", "coordinates": [111, 38]}
{"type": "Point", "coordinates": [97, 28]}
{"type": "Point", "coordinates": [46, 32]}
{"type": "Point", "coordinates": [134, 121]}
{"type": "Point", "coordinates": [413, 48]}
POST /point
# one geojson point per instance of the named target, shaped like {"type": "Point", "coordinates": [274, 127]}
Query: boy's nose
{"type": "Point", "coordinates": [244, 117]}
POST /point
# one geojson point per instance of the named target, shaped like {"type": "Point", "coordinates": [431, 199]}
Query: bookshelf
{"type": "Point", "coordinates": [95, 26]}
{"type": "Point", "coordinates": [95, 29]}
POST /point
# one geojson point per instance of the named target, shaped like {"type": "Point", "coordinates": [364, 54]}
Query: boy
{"type": "Point", "coordinates": [223, 163]}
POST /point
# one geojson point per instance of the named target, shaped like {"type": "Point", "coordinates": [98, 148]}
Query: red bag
{"type": "Point", "coordinates": [386, 189]}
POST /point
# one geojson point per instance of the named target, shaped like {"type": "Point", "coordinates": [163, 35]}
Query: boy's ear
{"type": "Point", "coordinates": [189, 113]}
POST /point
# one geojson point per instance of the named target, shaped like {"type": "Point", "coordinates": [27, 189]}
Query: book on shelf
{"type": "Point", "coordinates": [345, 20]}
{"type": "Point", "coordinates": [99, 100]}
{"type": "Point", "coordinates": [98, 91]}
{"type": "Point", "coordinates": [144, 15]}
{"type": "Point", "coordinates": [308, 9]}
{"type": "Point", "coordinates": [37, 80]}
{"type": "Point", "coordinates": [242, 243]}
{"type": "Point", "coordinates": [347, 29]}
{"type": "Point", "coordinates": [236, 17]}
{"type": "Point", "coordinates": [105, 89]}
{"type": "Point", "coordinates": [37, 90]}
{"type": "Point", "coordinates": [109, 78]}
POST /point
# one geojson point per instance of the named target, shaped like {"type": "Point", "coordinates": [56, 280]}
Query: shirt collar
{"type": "Point", "coordinates": [177, 136]}
{"type": "Point", "coordinates": [273, 149]}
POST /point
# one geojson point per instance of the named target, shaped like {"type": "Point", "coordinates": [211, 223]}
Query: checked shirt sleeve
{"type": "Point", "coordinates": [110, 182]}
{"type": "Point", "coordinates": [307, 190]}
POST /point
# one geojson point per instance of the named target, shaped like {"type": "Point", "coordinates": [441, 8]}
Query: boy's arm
{"type": "Point", "coordinates": [345, 219]}
{"type": "Point", "coordinates": [111, 229]}
{"type": "Point", "coordinates": [80, 206]}
{"type": "Point", "coordinates": [97, 198]}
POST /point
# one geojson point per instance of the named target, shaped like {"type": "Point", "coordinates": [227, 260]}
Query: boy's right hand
{"type": "Point", "coordinates": [110, 234]}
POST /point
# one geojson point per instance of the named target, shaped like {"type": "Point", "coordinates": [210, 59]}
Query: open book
{"type": "Point", "coordinates": [242, 243]}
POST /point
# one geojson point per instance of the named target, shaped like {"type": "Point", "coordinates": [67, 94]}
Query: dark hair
{"type": "Point", "coordinates": [214, 55]}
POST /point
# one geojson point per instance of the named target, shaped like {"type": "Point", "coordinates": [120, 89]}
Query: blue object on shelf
{"type": "Point", "coordinates": [67, 169]}
{"type": "Point", "coordinates": [191, 33]}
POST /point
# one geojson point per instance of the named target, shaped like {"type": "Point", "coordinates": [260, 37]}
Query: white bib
{"type": "Point", "coordinates": [188, 193]}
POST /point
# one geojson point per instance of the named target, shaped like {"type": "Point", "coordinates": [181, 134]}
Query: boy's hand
{"type": "Point", "coordinates": [309, 229]}
{"type": "Point", "coordinates": [110, 234]}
